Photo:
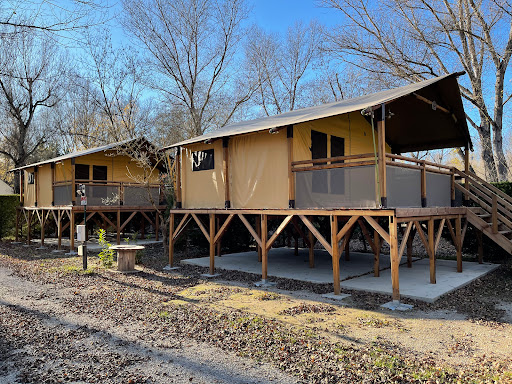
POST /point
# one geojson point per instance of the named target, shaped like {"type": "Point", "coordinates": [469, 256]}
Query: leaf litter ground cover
{"type": "Point", "coordinates": [314, 341]}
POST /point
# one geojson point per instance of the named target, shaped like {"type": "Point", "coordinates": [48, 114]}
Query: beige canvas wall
{"type": "Point", "coordinates": [202, 189]}
{"type": "Point", "coordinates": [259, 170]}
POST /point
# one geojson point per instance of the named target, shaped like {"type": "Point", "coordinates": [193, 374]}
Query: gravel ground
{"type": "Point", "coordinates": [58, 324]}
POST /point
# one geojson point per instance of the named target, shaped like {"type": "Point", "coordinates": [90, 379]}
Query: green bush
{"type": "Point", "coordinates": [8, 204]}
{"type": "Point", "coordinates": [504, 186]}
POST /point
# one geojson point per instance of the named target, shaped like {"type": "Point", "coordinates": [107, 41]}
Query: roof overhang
{"type": "Point", "coordinates": [425, 115]}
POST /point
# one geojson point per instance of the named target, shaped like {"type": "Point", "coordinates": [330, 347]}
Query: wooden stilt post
{"type": "Point", "coordinates": [71, 231]}
{"type": "Point", "coordinates": [395, 263]}
{"type": "Point", "coordinates": [171, 239]}
{"type": "Point", "coordinates": [264, 252]}
{"type": "Point", "coordinates": [311, 238]}
{"type": "Point", "coordinates": [431, 251]}
{"type": "Point", "coordinates": [258, 232]}
{"type": "Point", "coordinates": [376, 258]}
{"type": "Point", "coordinates": [59, 229]}
{"type": "Point", "coordinates": [43, 221]}
{"type": "Point", "coordinates": [118, 226]}
{"type": "Point", "coordinates": [410, 239]}
{"type": "Point", "coordinates": [458, 240]}
{"type": "Point", "coordinates": [335, 255]}
{"type": "Point", "coordinates": [29, 227]}
{"type": "Point", "coordinates": [480, 247]}
{"type": "Point", "coordinates": [212, 243]}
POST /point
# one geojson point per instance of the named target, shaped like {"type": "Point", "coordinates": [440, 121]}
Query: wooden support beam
{"type": "Point", "coordinates": [378, 228]}
{"type": "Point", "coordinates": [278, 231]}
{"type": "Point", "coordinates": [317, 234]}
{"type": "Point", "coordinates": [291, 179]}
{"type": "Point", "coordinates": [405, 239]}
{"type": "Point", "coordinates": [439, 233]}
{"type": "Point", "coordinates": [218, 243]}
{"type": "Point", "coordinates": [53, 182]}
{"type": "Point", "coordinates": [452, 232]}
{"type": "Point", "coordinates": [347, 227]}
{"type": "Point", "coordinates": [367, 236]}
{"type": "Point", "coordinates": [145, 215]}
{"type": "Point", "coordinates": [335, 254]}
{"type": "Point", "coordinates": [171, 238]}
{"type": "Point", "coordinates": [347, 238]}
{"type": "Point", "coordinates": [125, 222]}
{"type": "Point", "coordinates": [201, 226]}
{"type": "Point", "coordinates": [212, 242]}
{"type": "Point", "coordinates": [251, 229]}
{"type": "Point", "coordinates": [458, 243]}
{"type": "Point", "coordinates": [42, 222]}
{"type": "Point", "coordinates": [264, 249]}
{"type": "Point", "coordinates": [431, 251]}
{"type": "Point", "coordinates": [409, 248]}
{"type": "Point", "coordinates": [182, 223]}
{"type": "Point", "coordinates": [376, 254]}
{"type": "Point", "coordinates": [225, 170]}
{"type": "Point", "coordinates": [110, 222]}
{"type": "Point", "coordinates": [59, 229]}
{"type": "Point", "coordinates": [118, 227]}
{"type": "Point", "coordinates": [224, 227]}
{"type": "Point", "coordinates": [395, 262]}
{"type": "Point", "coordinates": [494, 214]}
{"type": "Point", "coordinates": [423, 238]}
{"type": "Point", "coordinates": [300, 231]}
{"type": "Point", "coordinates": [463, 235]}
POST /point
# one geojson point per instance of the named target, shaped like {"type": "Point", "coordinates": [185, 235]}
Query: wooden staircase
{"type": "Point", "coordinates": [493, 213]}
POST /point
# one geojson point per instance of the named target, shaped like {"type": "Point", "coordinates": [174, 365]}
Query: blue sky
{"type": "Point", "coordinates": [278, 15]}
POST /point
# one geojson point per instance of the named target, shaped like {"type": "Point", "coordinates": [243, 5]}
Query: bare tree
{"type": "Point", "coordinates": [105, 103]}
{"type": "Point", "coordinates": [192, 46]}
{"type": "Point", "coordinates": [30, 80]}
{"type": "Point", "coordinates": [281, 66]}
{"type": "Point", "coordinates": [413, 40]}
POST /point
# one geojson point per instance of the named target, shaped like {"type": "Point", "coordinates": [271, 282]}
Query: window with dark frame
{"type": "Point", "coordinates": [99, 172]}
{"type": "Point", "coordinates": [81, 172]}
{"type": "Point", "coordinates": [337, 184]}
{"type": "Point", "coordinates": [319, 151]}
{"type": "Point", "coordinates": [203, 160]}
{"type": "Point", "coordinates": [30, 178]}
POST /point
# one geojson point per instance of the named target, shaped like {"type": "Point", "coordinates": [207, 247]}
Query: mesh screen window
{"type": "Point", "coordinates": [202, 160]}
{"type": "Point", "coordinates": [99, 172]}
{"type": "Point", "coordinates": [81, 172]}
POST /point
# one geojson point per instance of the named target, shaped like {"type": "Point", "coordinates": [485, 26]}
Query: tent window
{"type": "Point", "coordinates": [30, 178]}
{"type": "Point", "coordinates": [81, 172]}
{"type": "Point", "coordinates": [202, 160]}
{"type": "Point", "coordinates": [319, 151]}
{"type": "Point", "coordinates": [337, 147]}
{"type": "Point", "coordinates": [99, 172]}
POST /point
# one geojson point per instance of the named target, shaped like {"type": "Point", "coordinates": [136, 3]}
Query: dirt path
{"type": "Point", "coordinates": [41, 341]}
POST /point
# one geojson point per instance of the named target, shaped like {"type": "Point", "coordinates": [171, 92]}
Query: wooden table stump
{"type": "Point", "coordinates": [126, 257]}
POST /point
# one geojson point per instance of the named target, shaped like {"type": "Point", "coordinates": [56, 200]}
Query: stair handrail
{"type": "Point", "coordinates": [472, 175]}
{"type": "Point", "coordinates": [504, 206]}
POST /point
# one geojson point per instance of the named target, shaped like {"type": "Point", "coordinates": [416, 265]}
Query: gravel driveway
{"type": "Point", "coordinates": [41, 341]}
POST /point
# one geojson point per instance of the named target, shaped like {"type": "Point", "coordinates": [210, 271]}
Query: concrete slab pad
{"type": "Point", "coordinates": [339, 297]}
{"type": "Point", "coordinates": [415, 281]}
{"type": "Point", "coordinates": [396, 305]}
{"type": "Point", "coordinates": [283, 263]}
{"type": "Point", "coordinates": [207, 275]}
{"type": "Point", "coordinates": [356, 274]}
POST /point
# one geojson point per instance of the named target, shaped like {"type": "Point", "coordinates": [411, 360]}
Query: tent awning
{"type": "Point", "coordinates": [415, 123]}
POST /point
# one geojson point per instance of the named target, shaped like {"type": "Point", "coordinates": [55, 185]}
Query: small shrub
{"type": "Point", "coordinates": [106, 255]}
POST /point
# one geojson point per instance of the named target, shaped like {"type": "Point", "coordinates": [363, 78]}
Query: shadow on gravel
{"type": "Point", "coordinates": [51, 349]}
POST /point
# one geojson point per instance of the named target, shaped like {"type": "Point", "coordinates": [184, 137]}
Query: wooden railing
{"type": "Point", "coordinates": [334, 162]}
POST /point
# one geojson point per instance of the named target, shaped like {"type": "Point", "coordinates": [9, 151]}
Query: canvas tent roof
{"type": "Point", "coordinates": [414, 124]}
{"type": "Point", "coordinates": [83, 153]}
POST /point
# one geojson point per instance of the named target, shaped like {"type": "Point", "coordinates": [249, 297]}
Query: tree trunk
{"type": "Point", "coordinates": [487, 154]}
